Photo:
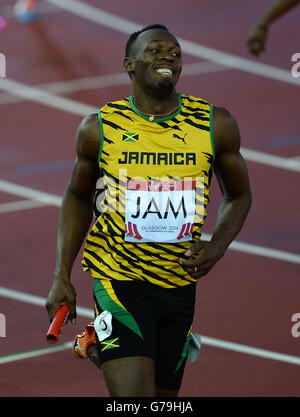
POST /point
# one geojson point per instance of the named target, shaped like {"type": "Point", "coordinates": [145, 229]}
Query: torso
{"type": "Point", "coordinates": [147, 226]}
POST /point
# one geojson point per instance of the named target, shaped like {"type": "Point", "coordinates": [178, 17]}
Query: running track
{"type": "Point", "coordinates": [64, 66]}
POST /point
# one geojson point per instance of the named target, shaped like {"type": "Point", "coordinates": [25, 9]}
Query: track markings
{"type": "Point", "coordinates": [122, 25]}
{"type": "Point", "coordinates": [43, 97]}
{"type": "Point", "coordinates": [20, 205]}
{"type": "Point", "coordinates": [30, 193]}
{"type": "Point", "coordinates": [109, 80]}
{"type": "Point", "coordinates": [249, 350]}
{"type": "Point", "coordinates": [260, 251]}
{"type": "Point", "coordinates": [34, 353]}
{"type": "Point", "coordinates": [53, 200]}
{"type": "Point", "coordinates": [291, 164]}
{"type": "Point", "coordinates": [38, 301]}
{"type": "Point", "coordinates": [82, 311]}
{"type": "Point", "coordinates": [71, 106]}
{"type": "Point", "coordinates": [204, 52]}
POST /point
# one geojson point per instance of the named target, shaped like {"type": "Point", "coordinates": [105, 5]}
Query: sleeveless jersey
{"type": "Point", "coordinates": [156, 177]}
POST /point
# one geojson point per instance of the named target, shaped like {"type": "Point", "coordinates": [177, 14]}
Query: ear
{"type": "Point", "coordinates": [128, 65]}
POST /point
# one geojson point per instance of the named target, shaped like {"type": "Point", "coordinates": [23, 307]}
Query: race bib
{"type": "Point", "coordinates": [159, 211]}
{"type": "Point", "coordinates": [102, 325]}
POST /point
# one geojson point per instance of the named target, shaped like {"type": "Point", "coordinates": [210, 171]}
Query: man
{"type": "Point", "coordinates": [256, 39]}
{"type": "Point", "coordinates": [156, 152]}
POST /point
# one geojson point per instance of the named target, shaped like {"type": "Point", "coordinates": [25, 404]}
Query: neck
{"type": "Point", "coordinates": [161, 104]}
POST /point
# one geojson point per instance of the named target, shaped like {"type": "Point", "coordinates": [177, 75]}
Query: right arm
{"type": "Point", "coordinates": [257, 37]}
{"type": "Point", "coordinates": [75, 216]}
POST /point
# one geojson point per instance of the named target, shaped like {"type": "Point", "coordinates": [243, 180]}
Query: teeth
{"type": "Point", "coordinates": [166, 71]}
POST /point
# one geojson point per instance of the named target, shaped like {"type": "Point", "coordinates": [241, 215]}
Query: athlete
{"type": "Point", "coordinates": [25, 11]}
{"type": "Point", "coordinates": [155, 153]}
{"type": "Point", "coordinates": [256, 39]}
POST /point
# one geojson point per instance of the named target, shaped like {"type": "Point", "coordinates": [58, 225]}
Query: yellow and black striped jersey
{"type": "Point", "coordinates": [156, 177]}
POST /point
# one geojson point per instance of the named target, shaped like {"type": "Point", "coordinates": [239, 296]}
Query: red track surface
{"type": "Point", "coordinates": [246, 299]}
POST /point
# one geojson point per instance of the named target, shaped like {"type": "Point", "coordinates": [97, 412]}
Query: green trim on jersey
{"type": "Point", "coordinates": [178, 148]}
{"type": "Point", "coordinates": [101, 135]}
{"type": "Point", "coordinates": [211, 131]}
{"type": "Point", "coordinates": [164, 119]}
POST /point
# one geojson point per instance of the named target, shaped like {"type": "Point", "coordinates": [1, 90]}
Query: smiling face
{"type": "Point", "coordinates": [156, 61]}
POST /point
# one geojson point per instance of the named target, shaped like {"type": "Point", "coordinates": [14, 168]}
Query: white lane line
{"type": "Point", "coordinates": [292, 164]}
{"type": "Point", "coordinates": [239, 63]}
{"type": "Point", "coordinates": [20, 205]}
{"type": "Point", "coordinates": [249, 350]}
{"type": "Point", "coordinates": [30, 193]}
{"type": "Point", "coordinates": [203, 67]}
{"type": "Point", "coordinates": [109, 80]}
{"type": "Point", "coordinates": [54, 200]}
{"type": "Point", "coordinates": [209, 341]}
{"type": "Point", "coordinates": [260, 250]}
{"type": "Point", "coordinates": [224, 59]}
{"type": "Point", "coordinates": [265, 252]}
{"type": "Point", "coordinates": [38, 301]}
{"type": "Point", "coordinates": [200, 51]}
{"type": "Point", "coordinates": [82, 311]}
{"type": "Point", "coordinates": [34, 353]}
{"type": "Point", "coordinates": [43, 97]}
{"type": "Point", "coordinates": [90, 83]}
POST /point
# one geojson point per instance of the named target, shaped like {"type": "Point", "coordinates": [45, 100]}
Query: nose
{"type": "Point", "coordinates": [166, 56]}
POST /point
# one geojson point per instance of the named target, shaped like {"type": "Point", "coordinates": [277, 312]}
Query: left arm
{"type": "Point", "coordinates": [232, 176]}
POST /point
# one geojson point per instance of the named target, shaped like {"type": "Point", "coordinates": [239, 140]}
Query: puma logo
{"type": "Point", "coordinates": [179, 137]}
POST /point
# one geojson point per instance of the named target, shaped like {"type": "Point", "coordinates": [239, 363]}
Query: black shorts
{"type": "Point", "coordinates": [146, 320]}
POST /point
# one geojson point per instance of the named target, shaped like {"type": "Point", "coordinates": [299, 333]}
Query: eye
{"type": "Point", "coordinates": [154, 50]}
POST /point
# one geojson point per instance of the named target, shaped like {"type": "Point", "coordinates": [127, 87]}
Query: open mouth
{"type": "Point", "coordinates": [165, 72]}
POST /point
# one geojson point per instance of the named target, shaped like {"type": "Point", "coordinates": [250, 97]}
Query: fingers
{"type": "Point", "coordinates": [59, 296]}
{"type": "Point", "coordinates": [195, 248]}
{"type": "Point", "coordinates": [201, 259]}
{"type": "Point", "coordinates": [257, 39]}
{"type": "Point", "coordinates": [72, 314]}
{"type": "Point", "coordinates": [197, 267]}
{"type": "Point", "coordinates": [53, 308]}
{"type": "Point", "coordinates": [256, 48]}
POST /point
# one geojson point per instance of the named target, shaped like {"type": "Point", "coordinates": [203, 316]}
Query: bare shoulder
{"type": "Point", "coordinates": [225, 131]}
{"type": "Point", "coordinates": [88, 137]}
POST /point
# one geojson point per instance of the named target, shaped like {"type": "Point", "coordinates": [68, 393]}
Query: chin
{"type": "Point", "coordinates": [166, 85]}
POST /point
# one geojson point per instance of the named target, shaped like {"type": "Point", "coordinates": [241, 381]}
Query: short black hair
{"type": "Point", "coordinates": [134, 35]}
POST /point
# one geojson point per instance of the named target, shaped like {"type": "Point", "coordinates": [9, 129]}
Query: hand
{"type": "Point", "coordinates": [62, 292]}
{"type": "Point", "coordinates": [202, 256]}
{"type": "Point", "coordinates": [256, 40]}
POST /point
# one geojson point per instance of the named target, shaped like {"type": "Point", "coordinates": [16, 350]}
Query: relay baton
{"type": "Point", "coordinates": [57, 323]}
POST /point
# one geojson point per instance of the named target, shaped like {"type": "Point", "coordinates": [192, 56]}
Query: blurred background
{"type": "Point", "coordinates": [67, 63]}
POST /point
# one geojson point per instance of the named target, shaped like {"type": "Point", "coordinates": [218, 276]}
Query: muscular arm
{"type": "Point", "coordinates": [232, 175]}
{"type": "Point", "coordinates": [75, 215]}
{"type": "Point", "coordinates": [231, 172]}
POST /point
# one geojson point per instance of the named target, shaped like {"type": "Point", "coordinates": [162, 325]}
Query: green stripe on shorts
{"type": "Point", "coordinates": [184, 351]}
{"type": "Point", "coordinates": [107, 303]}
